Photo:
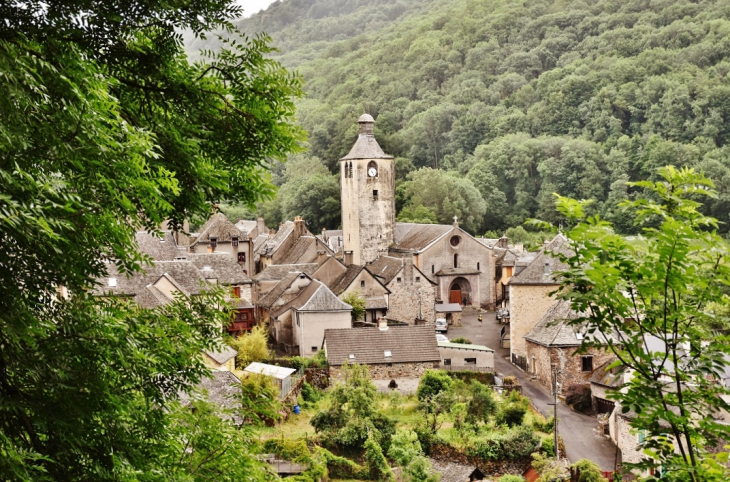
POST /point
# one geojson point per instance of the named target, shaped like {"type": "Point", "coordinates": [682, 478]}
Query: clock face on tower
{"type": "Point", "coordinates": [372, 171]}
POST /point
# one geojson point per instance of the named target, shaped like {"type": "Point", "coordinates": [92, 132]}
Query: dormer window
{"type": "Point", "coordinates": [352, 357]}
{"type": "Point", "coordinates": [234, 241]}
{"type": "Point", "coordinates": [387, 354]}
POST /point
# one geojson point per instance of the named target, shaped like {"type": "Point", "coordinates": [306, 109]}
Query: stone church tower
{"type": "Point", "coordinates": [368, 197]}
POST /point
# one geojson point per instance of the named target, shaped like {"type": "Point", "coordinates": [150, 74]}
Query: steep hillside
{"type": "Point", "coordinates": [514, 99]}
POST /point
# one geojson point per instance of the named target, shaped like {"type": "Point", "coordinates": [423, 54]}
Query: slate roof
{"type": "Point", "coordinates": [418, 236]}
{"type": "Point", "coordinates": [184, 273]}
{"type": "Point", "coordinates": [220, 266]}
{"type": "Point", "coordinates": [407, 344]}
{"type": "Point", "coordinates": [314, 297]}
{"type": "Point", "coordinates": [366, 147]}
{"type": "Point", "coordinates": [341, 283]}
{"type": "Point", "coordinates": [464, 346]}
{"type": "Point", "coordinates": [447, 308]}
{"type": "Point", "coordinates": [375, 303]}
{"type": "Point", "coordinates": [552, 330]}
{"type": "Point", "coordinates": [385, 268]}
{"type": "Point", "coordinates": [223, 389]}
{"type": "Point", "coordinates": [273, 244]}
{"type": "Point", "coordinates": [268, 300]}
{"type": "Point", "coordinates": [604, 377]}
{"type": "Point", "coordinates": [218, 226]}
{"type": "Point", "coordinates": [159, 249]}
{"type": "Point", "coordinates": [222, 355]}
{"type": "Point", "coordinates": [299, 249]}
{"type": "Point", "coordinates": [279, 271]}
{"type": "Point", "coordinates": [246, 226]}
{"type": "Point", "coordinates": [534, 273]}
{"type": "Point", "coordinates": [452, 471]}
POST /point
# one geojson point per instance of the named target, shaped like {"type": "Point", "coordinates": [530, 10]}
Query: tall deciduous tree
{"type": "Point", "coordinates": [658, 293]}
{"type": "Point", "coordinates": [106, 128]}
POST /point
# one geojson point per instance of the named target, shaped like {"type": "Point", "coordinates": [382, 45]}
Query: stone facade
{"type": "Point", "coordinates": [404, 296]}
{"type": "Point", "coordinates": [528, 304]}
{"type": "Point", "coordinates": [458, 261]}
{"type": "Point", "coordinates": [490, 468]}
{"type": "Point", "coordinates": [367, 178]}
{"type": "Point", "coordinates": [627, 441]}
{"type": "Point", "coordinates": [395, 370]}
{"type": "Point", "coordinates": [541, 359]}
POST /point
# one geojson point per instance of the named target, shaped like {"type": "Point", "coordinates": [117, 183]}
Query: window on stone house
{"type": "Point", "coordinates": [587, 363]}
{"type": "Point", "coordinates": [397, 280]}
{"type": "Point", "coordinates": [234, 241]}
{"type": "Point", "coordinates": [432, 269]}
{"type": "Point", "coordinates": [456, 261]}
{"type": "Point", "coordinates": [418, 279]}
{"type": "Point", "coordinates": [236, 292]}
{"type": "Point", "coordinates": [375, 194]}
{"type": "Point", "coordinates": [478, 266]}
{"type": "Point", "coordinates": [447, 361]}
{"type": "Point", "coordinates": [314, 349]}
{"type": "Point", "coordinates": [241, 257]}
{"type": "Point", "coordinates": [362, 284]}
{"type": "Point", "coordinates": [470, 361]}
{"type": "Point", "coordinates": [213, 243]}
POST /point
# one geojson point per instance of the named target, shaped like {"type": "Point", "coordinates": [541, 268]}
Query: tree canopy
{"type": "Point", "coordinates": [522, 98]}
{"type": "Point", "coordinates": [107, 128]}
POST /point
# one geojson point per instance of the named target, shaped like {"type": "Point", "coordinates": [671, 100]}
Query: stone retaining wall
{"type": "Point", "coordinates": [396, 370]}
{"type": "Point", "coordinates": [489, 468]}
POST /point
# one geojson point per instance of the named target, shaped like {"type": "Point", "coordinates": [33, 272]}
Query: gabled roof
{"type": "Point", "coordinates": [385, 268]}
{"type": "Point", "coordinates": [220, 266]}
{"type": "Point", "coordinates": [608, 378]}
{"type": "Point", "coordinates": [553, 331]}
{"type": "Point", "coordinates": [406, 344]}
{"type": "Point", "coordinates": [303, 245]}
{"type": "Point", "coordinates": [314, 297]}
{"type": "Point", "coordinates": [222, 355]}
{"type": "Point", "coordinates": [223, 389]}
{"type": "Point", "coordinates": [277, 291]}
{"type": "Point", "coordinates": [534, 273]}
{"type": "Point", "coordinates": [279, 271]}
{"type": "Point", "coordinates": [342, 282]}
{"type": "Point", "coordinates": [183, 272]}
{"type": "Point", "coordinates": [246, 226]}
{"type": "Point", "coordinates": [219, 227]}
{"type": "Point", "coordinates": [416, 237]}
{"type": "Point", "coordinates": [158, 248]}
{"type": "Point", "coordinates": [273, 244]}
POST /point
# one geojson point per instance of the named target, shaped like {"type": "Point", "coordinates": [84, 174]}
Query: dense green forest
{"type": "Point", "coordinates": [490, 106]}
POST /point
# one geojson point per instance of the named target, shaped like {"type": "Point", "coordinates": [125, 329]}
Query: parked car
{"type": "Point", "coordinates": [441, 338]}
{"type": "Point", "coordinates": [441, 325]}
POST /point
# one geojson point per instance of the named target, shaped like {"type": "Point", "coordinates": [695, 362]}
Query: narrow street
{"type": "Point", "coordinates": [579, 432]}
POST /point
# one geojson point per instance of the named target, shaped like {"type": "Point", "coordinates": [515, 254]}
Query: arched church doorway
{"type": "Point", "coordinates": [460, 292]}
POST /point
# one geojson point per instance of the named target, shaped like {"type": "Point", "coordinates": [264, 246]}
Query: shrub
{"type": "Point", "coordinates": [357, 302]}
{"type": "Point", "coordinates": [462, 340]}
{"type": "Point", "coordinates": [310, 394]}
{"type": "Point", "coordinates": [579, 396]}
{"type": "Point", "coordinates": [432, 383]}
{"type": "Point", "coordinates": [482, 404]}
{"type": "Point", "coordinates": [589, 471]}
{"type": "Point", "coordinates": [513, 410]}
{"type": "Point", "coordinates": [511, 478]}
{"type": "Point", "coordinates": [547, 426]}
{"type": "Point", "coordinates": [520, 442]}
{"type": "Point", "coordinates": [378, 467]}
{"type": "Point", "coordinates": [252, 346]}
{"type": "Point", "coordinates": [548, 447]}
{"type": "Point", "coordinates": [509, 381]}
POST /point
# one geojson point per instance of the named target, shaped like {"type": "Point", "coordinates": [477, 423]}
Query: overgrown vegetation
{"type": "Point", "coordinates": [252, 346]}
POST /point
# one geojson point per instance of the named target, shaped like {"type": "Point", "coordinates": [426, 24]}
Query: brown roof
{"type": "Point", "coordinates": [608, 378]}
{"type": "Point", "coordinates": [277, 291]}
{"type": "Point", "coordinates": [246, 226]}
{"type": "Point", "coordinates": [222, 355]}
{"type": "Point", "coordinates": [296, 254]}
{"type": "Point", "coordinates": [220, 266]}
{"type": "Point", "coordinates": [184, 273]}
{"type": "Point", "coordinates": [223, 389]}
{"type": "Point", "coordinates": [407, 344]}
{"type": "Point", "coordinates": [219, 227]}
{"type": "Point", "coordinates": [534, 273]}
{"type": "Point", "coordinates": [452, 471]}
{"type": "Point", "coordinates": [158, 248]}
{"type": "Point", "coordinates": [386, 267]}
{"type": "Point", "coordinates": [341, 283]}
{"type": "Point", "coordinates": [418, 236]}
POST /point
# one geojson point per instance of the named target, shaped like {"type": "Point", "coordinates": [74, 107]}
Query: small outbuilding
{"type": "Point", "coordinates": [281, 375]}
{"type": "Point", "coordinates": [450, 311]}
{"type": "Point", "coordinates": [463, 356]}
{"type": "Point", "coordinates": [222, 359]}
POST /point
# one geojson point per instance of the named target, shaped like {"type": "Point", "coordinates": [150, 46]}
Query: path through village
{"type": "Point", "coordinates": [579, 431]}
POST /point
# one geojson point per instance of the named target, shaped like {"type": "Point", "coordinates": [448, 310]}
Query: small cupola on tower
{"type": "Point", "coordinates": [367, 125]}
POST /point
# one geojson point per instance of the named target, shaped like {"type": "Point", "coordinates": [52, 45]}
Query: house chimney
{"type": "Point", "coordinates": [519, 247]}
{"type": "Point", "coordinates": [382, 324]}
{"type": "Point", "coordinates": [367, 125]}
{"type": "Point", "coordinates": [321, 257]}
{"type": "Point", "coordinates": [324, 232]}
{"type": "Point", "coordinates": [260, 226]}
{"type": "Point", "coordinates": [348, 258]}
{"type": "Point", "coordinates": [503, 242]}
{"type": "Point", "coordinates": [300, 228]}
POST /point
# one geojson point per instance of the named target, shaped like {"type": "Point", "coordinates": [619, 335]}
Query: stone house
{"type": "Point", "coordinates": [344, 281]}
{"type": "Point", "coordinates": [411, 291]}
{"type": "Point", "coordinates": [219, 235]}
{"type": "Point", "coordinates": [509, 263]}
{"type": "Point", "coordinates": [299, 325]}
{"type": "Point", "coordinates": [451, 312]}
{"type": "Point", "coordinates": [462, 356]}
{"type": "Point", "coordinates": [162, 247]}
{"type": "Point", "coordinates": [554, 343]}
{"type": "Point", "coordinates": [529, 293]}
{"type": "Point", "coordinates": [395, 352]}
{"type": "Point", "coordinates": [333, 239]}
{"type": "Point", "coordinates": [282, 293]}
{"type": "Point", "coordinates": [266, 280]}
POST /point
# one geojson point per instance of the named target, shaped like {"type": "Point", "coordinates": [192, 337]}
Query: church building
{"type": "Point", "coordinates": [455, 264]}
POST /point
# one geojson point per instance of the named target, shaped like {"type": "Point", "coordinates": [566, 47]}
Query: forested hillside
{"type": "Point", "coordinates": [510, 101]}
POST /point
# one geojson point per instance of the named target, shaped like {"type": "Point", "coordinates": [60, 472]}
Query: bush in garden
{"type": "Point", "coordinates": [310, 394]}
{"type": "Point", "coordinates": [461, 340]}
{"type": "Point", "coordinates": [579, 397]}
{"type": "Point", "coordinates": [511, 478]}
{"type": "Point", "coordinates": [547, 426]}
{"type": "Point", "coordinates": [509, 381]}
{"type": "Point", "coordinates": [548, 447]}
{"type": "Point", "coordinates": [378, 467]}
{"type": "Point", "coordinates": [432, 383]}
{"type": "Point", "coordinates": [482, 404]}
{"type": "Point", "coordinates": [589, 471]}
{"type": "Point", "coordinates": [520, 442]}
{"type": "Point", "coordinates": [513, 410]}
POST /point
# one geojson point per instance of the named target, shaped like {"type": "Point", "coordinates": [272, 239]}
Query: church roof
{"type": "Point", "coordinates": [366, 147]}
{"type": "Point", "coordinates": [418, 236]}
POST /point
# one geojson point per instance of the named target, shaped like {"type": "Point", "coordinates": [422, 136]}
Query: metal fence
{"type": "Point", "coordinates": [520, 361]}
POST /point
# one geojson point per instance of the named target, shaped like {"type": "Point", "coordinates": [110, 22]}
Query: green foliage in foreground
{"type": "Point", "coordinates": [357, 301]}
{"type": "Point", "coordinates": [520, 99]}
{"type": "Point", "coordinates": [659, 290]}
{"type": "Point", "coordinates": [106, 129]}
